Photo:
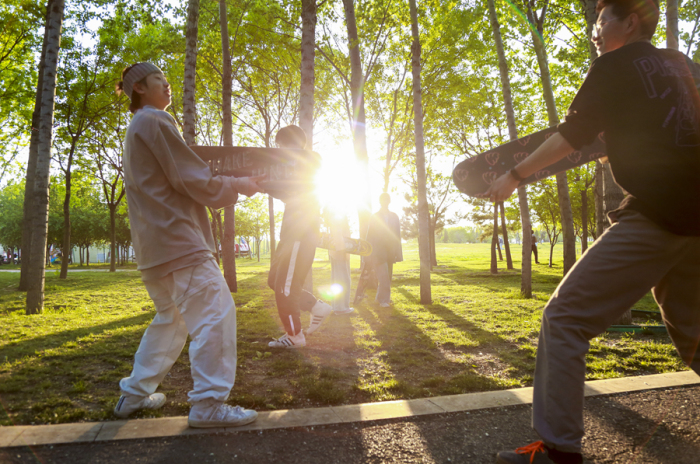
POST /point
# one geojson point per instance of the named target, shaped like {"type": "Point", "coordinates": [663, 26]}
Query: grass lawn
{"type": "Point", "coordinates": [479, 334]}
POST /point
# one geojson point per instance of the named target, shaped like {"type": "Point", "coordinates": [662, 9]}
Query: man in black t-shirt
{"type": "Point", "coordinates": [646, 102]}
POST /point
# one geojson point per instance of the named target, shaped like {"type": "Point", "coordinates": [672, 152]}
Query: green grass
{"type": "Point", "coordinates": [479, 334]}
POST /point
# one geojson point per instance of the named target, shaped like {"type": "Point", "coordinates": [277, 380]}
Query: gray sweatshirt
{"type": "Point", "coordinates": [168, 188]}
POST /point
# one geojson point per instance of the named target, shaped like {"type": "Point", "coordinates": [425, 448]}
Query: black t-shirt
{"type": "Point", "coordinates": [646, 101]}
{"type": "Point", "coordinates": [301, 219]}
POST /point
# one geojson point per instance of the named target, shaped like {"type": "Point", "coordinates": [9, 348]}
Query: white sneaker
{"type": "Point", "coordinates": [207, 414]}
{"type": "Point", "coordinates": [289, 341]}
{"type": "Point", "coordinates": [384, 305]}
{"type": "Point", "coordinates": [343, 311]}
{"type": "Point", "coordinates": [319, 313]}
{"type": "Point", "coordinates": [129, 404]}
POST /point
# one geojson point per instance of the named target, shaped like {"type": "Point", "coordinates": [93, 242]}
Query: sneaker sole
{"type": "Point", "coordinates": [341, 313]}
{"type": "Point", "coordinates": [124, 414]}
{"type": "Point", "coordinates": [210, 425]}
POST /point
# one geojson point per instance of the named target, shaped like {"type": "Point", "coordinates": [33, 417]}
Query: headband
{"type": "Point", "coordinates": [135, 74]}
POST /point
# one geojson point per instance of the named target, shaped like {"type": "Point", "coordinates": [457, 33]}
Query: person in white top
{"type": "Point", "coordinates": [168, 188]}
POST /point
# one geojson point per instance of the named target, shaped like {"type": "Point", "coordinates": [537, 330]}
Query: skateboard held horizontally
{"type": "Point", "coordinates": [354, 246]}
{"type": "Point", "coordinates": [474, 175]}
{"type": "Point", "coordinates": [287, 171]}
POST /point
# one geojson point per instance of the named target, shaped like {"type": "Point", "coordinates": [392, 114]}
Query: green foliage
{"type": "Point", "coordinates": [11, 213]}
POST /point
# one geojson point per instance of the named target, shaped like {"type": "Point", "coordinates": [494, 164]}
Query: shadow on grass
{"type": "Point", "coordinates": [19, 349]}
{"type": "Point", "coordinates": [520, 360]}
{"type": "Point", "coordinates": [419, 364]}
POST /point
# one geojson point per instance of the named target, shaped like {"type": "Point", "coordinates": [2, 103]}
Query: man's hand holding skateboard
{"type": "Point", "coordinates": [552, 150]}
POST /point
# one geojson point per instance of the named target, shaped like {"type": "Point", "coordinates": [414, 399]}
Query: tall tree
{"type": "Point", "coordinates": [189, 109]}
{"type": "Point", "coordinates": [79, 108]}
{"type": "Point", "coordinates": [229, 240]}
{"type": "Point", "coordinates": [423, 219]}
{"type": "Point", "coordinates": [28, 206]}
{"type": "Point", "coordinates": [567, 217]}
{"type": "Point", "coordinates": [107, 149]}
{"type": "Point", "coordinates": [526, 272]}
{"type": "Point", "coordinates": [357, 95]}
{"type": "Point", "coordinates": [672, 24]}
{"type": "Point", "coordinates": [40, 191]}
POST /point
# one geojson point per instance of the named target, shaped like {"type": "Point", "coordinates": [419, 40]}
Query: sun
{"type": "Point", "coordinates": [339, 182]}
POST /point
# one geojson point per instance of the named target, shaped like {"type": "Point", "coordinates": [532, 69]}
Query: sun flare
{"type": "Point", "coordinates": [338, 183]}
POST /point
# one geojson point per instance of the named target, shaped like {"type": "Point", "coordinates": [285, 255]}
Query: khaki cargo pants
{"type": "Point", "coordinates": [633, 256]}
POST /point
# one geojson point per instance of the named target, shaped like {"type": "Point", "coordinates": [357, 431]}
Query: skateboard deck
{"type": "Point", "coordinates": [474, 175]}
{"type": "Point", "coordinates": [367, 279]}
{"type": "Point", "coordinates": [353, 246]}
{"type": "Point", "coordinates": [288, 171]}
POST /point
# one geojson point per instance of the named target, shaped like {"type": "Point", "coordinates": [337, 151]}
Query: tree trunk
{"type": "Point", "coordinates": [567, 216]}
{"type": "Point", "coordinates": [308, 53]}
{"type": "Point", "coordinates": [358, 111]}
{"type": "Point", "coordinates": [66, 246]}
{"type": "Point", "coordinates": [423, 213]}
{"type": "Point", "coordinates": [271, 210]}
{"type": "Point", "coordinates": [506, 245]}
{"type": "Point", "coordinates": [40, 192]}
{"type": "Point", "coordinates": [220, 226]}
{"type": "Point", "coordinates": [672, 24]}
{"type": "Point", "coordinates": [87, 254]}
{"type": "Point", "coordinates": [526, 267]}
{"type": "Point", "coordinates": [31, 163]}
{"type": "Point", "coordinates": [189, 108]}
{"type": "Point", "coordinates": [551, 253]}
{"type": "Point", "coordinates": [228, 246]}
{"type": "Point", "coordinates": [612, 193]}
{"type": "Point", "coordinates": [306, 88]}
{"type": "Point", "coordinates": [433, 254]}
{"type": "Point", "coordinates": [600, 219]}
{"type": "Point", "coordinates": [494, 241]}
{"type": "Point", "coordinates": [112, 238]}
{"type": "Point", "coordinates": [612, 197]}
{"type": "Point", "coordinates": [584, 221]}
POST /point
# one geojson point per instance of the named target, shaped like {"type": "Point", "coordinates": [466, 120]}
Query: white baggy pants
{"type": "Point", "coordinates": [194, 300]}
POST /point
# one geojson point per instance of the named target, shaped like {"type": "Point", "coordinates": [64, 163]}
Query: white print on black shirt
{"type": "Point", "coordinates": [654, 73]}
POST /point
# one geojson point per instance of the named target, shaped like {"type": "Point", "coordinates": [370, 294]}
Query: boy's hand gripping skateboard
{"type": "Point", "coordinates": [474, 175]}
{"type": "Point", "coordinates": [354, 246]}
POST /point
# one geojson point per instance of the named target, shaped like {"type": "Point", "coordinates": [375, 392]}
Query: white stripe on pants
{"type": "Point", "coordinates": [195, 299]}
{"type": "Point", "coordinates": [630, 258]}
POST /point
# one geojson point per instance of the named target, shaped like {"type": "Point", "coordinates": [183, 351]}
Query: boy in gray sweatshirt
{"type": "Point", "coordinates": [168, 188]}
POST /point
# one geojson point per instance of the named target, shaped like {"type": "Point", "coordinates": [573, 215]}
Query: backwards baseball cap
{"type": "Point", "coordinates": [135, 74]}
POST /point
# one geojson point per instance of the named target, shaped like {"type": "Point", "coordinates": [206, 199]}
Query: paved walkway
{"type": "Point", "coordinates": [95, 432]}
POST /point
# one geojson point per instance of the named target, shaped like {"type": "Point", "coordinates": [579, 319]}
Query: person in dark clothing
{"type": "Point", "coordinates": [385, 236]}
{"type": "Point", "coordinates": [534, 245]}
{"type": "Point", "coordinates": [294, 255]}
{"type": "Point", "coordinates": [646, 102]}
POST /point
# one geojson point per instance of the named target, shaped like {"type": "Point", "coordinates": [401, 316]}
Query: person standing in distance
{"type": "Point", "coordinates": [385, 236]}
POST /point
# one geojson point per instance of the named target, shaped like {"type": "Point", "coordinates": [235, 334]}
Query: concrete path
{"type": "Point", "coordinates": [96, 432]}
